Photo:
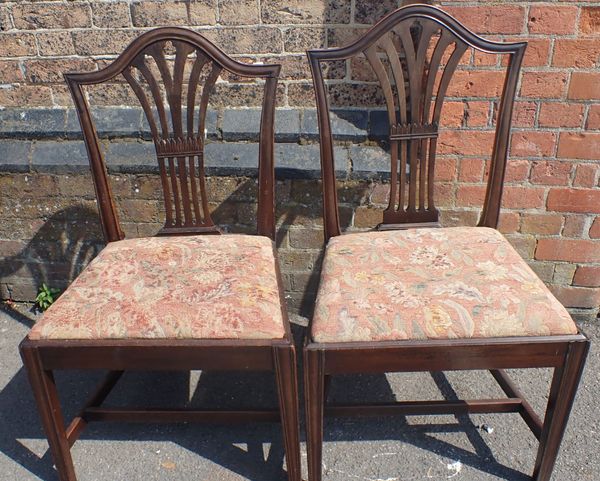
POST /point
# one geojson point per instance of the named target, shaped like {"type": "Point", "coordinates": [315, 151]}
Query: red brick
{"type": "Point", "coordinates": [581, 297]}
{"type": "Point", "coordinates": [462, 142]}
{"type": "Point", "coordinates": [541, 224]}
{"type": "Point", "coordinates": [453, 114]}
{"type": "Point", "coordinates": [470, 195]}
{"type": "Point", "coordinates": [517, 170]}
{"type": "Point", "coordinates": [585, 175]}
{"type": "Point", "coordinates": [533, 144]}
{"type": "Point", "coordinates": [484, 59]}
{"type": "Point", "coordinates": [517, 197]}
{"type": "Point", "coordinates": [543, 84]}
{"type": "Point", "coordinates": [537, 53]}
{"type": "Point", "coordinates": [445, 169]}
{"type": "Point", "coordinates": [477, 113]}
{"type": "Point", "coordinates": [509, 222]}
{"type": "Point", "coordinates": [443, 194]}
{"type": "Point", "coordinates": [595, 229]}
{"type": "Point", "coordinates": [587, 276]}
{"type": "Point", "coordinates": [552, 172]}
{"type": "Point", "coordinates": [589, 21]}
{"type": "Point", "coordinates": [476, 83]}
{"type": "Point", "coordinates": [574, 226]}
{"type": "Point", "coordinates": [552, 19]}
{"type": "Point", "coordinates": [584, 145]}
{"type": "Point", "coordinates": [568, 250]}
{"type": "Point", "coordinates": [580, 53]}
{"type": "Point", "coordinates": [593, 120]}
{"type": "Point", "coordinates": [524, 114]}
{"type": "Point", "coordinates": [559, 114]}
{"type": "Point", "coordinates": [503, 19]}
{"type": "Point", "coordinates": [574, 200]}
{"type": "Point", "coordinates": [471, 170]}
{"type": "Point", "coordinates": [584, 86]}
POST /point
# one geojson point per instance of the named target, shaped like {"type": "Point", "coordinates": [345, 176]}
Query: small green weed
{"type": "Point", "coordinates": [46, 297]}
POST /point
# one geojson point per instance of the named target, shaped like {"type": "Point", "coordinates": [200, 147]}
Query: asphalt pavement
{"type": "Point", "coordinates": [467, 448]}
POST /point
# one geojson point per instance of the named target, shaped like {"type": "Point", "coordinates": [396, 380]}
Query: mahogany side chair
{"type": "Point", "coordinates": [190, 298]}
{"type": "Point", "coordinates": [414, 296]}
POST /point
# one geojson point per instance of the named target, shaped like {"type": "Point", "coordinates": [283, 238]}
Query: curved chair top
{"type": "Point", "coordinates": [435, 14]}
{"type": "Point", "coordinates": [162, 34]}
{"type": "Point", "coordinates": [409, 87]}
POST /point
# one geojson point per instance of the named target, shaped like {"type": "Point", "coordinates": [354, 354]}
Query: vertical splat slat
{"type": "Point", "coordinates": [453, 61]}
{"type": "Point", "coordinates": [185, 191]}
{"type": "Point", "coordinates": [393, 55]}
{"type": "Point", "coordinates": [434, 65]}
{"type": "Point", "coordinates": [194, 185]}
{"type": "Point", "coordinates": [193, 89]}
{"type": "Point", "coordinates": [140, 64]}
{"type": "Point", "coordinates": [174, 95]}
{"type": "Point", "coordinates": [166, 192]}
{"type": "Point", "coordinates": [388, 93]}
{"type": "Point", "coordinates": [141, 95]}
{"type": "Point", "coordinates": [206, 90]}
{"type": "Point", "coordinates": [175, 190]}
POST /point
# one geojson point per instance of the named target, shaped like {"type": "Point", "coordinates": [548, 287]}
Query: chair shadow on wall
{"type": "Point", "coordinates": [69, 245]}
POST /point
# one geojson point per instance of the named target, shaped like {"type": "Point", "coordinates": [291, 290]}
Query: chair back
{"type": "Point", "coordinates": [414, 53]}
{"type": "Point", "coordinates": [172, 72]}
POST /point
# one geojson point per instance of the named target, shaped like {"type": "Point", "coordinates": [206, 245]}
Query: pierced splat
{"type": "Point", "coordinates": [414, 53]}
{"type": "Point", "coordinates": [172, 72]}
{"type": "Point", "coordinates": [415, 80]}
{"type": "Point", "coordinates": [180, 151]}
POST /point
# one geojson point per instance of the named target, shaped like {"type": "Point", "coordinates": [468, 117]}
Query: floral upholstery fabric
{"type": "Point", "coordinates": [449, 283]}
{"type": "Point", "coordinates": [194, 287]}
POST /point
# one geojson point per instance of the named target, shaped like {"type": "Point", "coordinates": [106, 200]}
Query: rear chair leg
{"type": "Point", "coordinates": [314, 392]}
{"type": "Point", "coordinates": [287, 389]}
{"type": "Point", "coordinates": [44, 390]}
{"type": "Point", "coordinates": [562, 394]}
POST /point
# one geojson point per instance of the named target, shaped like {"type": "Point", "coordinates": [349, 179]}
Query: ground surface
{"type": "Point", "coordinates": [390, 449]}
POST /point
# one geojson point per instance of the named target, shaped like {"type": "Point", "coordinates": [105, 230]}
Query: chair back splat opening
{"type": "Point", "coordinates": [414, 53]}
{"type": "Point", "coordinates": [172, 72]}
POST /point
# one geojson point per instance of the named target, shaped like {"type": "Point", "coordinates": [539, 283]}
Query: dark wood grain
{"type": "Point", "coordinates": [177, 122]}
{"type": "Point", "coordinates": [406, 50]}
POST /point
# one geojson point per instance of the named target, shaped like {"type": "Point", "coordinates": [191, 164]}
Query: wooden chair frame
{"type": "Point", "coordinates": [43, 357]}
{"type": "Point", "coordinates": [566, 354]}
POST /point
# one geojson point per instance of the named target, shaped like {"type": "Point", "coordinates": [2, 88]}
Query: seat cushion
{"type": "Point", "coordinates": [194, 287]}
{"type": "Point", "coordinates": [449, 283]}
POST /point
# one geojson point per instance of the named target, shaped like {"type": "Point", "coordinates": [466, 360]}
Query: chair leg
{"type": "Point", "coordinates": [314, 392]}
{"type": "Point", "coordinates": [44, 390]}
{"type": "Point", "coordinates": [287, 389]}
{"type": "Point", "coordinates": [562, 394]}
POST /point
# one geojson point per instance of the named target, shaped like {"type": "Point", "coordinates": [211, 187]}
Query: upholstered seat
{"type": "Point", "coordinates": [450, 283]}
{"type": "Point", "coordinates": [192, 287]}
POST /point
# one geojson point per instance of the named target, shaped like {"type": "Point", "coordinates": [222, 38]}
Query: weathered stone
{"type": "Point", "coordinates": [15, 155]}
{"type": "Point", "coordinates": [32, 122]}
{"type": "Point", "coordinates": [345, 124]}
{"type": "Point", "coordinates": [59, 157]}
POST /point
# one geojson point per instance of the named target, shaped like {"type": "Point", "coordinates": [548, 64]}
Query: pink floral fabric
{"type": "Point", "coordinates": [449, 283]}
{"type": "Point", "coordinates": [194, 287]}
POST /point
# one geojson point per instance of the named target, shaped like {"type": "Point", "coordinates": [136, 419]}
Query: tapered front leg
{"type": "Point", "coordinates": [314, 394]}
{"type": "Point", "coordinates": [562, 394]}
{"type": "Point", "coordinates": [287, 389]}
{"type": "Point", "coordinates": [44, 390]}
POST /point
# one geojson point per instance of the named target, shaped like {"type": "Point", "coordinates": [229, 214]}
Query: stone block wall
{"type": "Point", "coordinates": [552, 194]}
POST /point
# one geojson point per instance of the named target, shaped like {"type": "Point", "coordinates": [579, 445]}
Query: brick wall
{"type": "Point", "coordinates": [552, 195]}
